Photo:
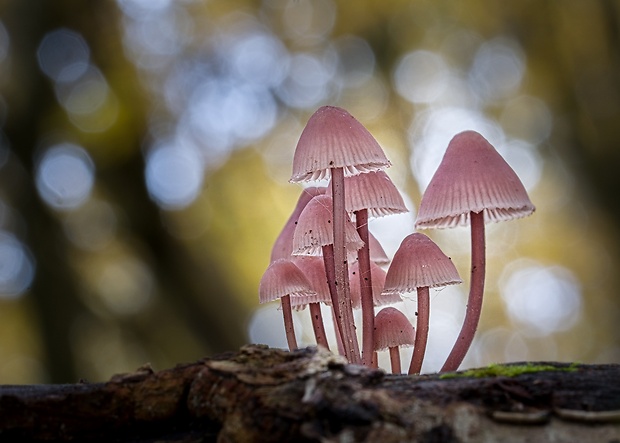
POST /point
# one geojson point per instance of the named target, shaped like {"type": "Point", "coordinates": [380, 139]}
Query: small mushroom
{"type": "Point", "coordinates": [393, 330]}
{"type": "Point", "coordinates": [369, 282]}
{"type": "Point", "coordinates": [419, 264]}
{"type": "Point", "coordinates": [472, 185]}
{"type": "Point", "coordinates": [281, 280]}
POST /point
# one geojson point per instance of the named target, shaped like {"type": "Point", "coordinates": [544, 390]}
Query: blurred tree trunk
{"type": "Point", "coordinates": [573, 51]}
{"type": "Point", "coordinates": [54, 291]}
{"type": "Point", "coordinates": [269, 395]}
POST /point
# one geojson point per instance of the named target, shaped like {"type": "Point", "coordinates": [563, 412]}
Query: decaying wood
{"type": "Point", "coordinates": [262, 395]}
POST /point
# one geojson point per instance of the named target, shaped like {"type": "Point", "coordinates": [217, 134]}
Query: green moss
{"type": "Point", "coordinates": [497, 370]}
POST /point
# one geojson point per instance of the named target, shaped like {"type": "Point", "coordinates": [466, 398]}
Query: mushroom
{"type": "Point", "coordinates": [281, 280]}
{"type": "Point", "coordinates": [472, 185]}
{"type": "Point", "coordinates": [370, 195]}
{"type": "Point", "coordinates": [334, 144]}
{"type": "Point", "coordinates": [314, 235]}
{"type": "Point", "coordinates": [392, 330]}
{"type": "Point", "coordinates": [372, 282]}
{"type": "Point", "coordinates": [419, 264]}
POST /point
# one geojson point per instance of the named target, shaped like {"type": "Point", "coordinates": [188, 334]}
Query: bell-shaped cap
{"type": "Point", "coordinates": [283, 246]}
{"type": "Point", "coordinates": [472, 177]}
{"type": "Point", "coordinates": [373, 191]}
{"type": "Point", "coordinates": [378, 280]}
{"type": "Point", "coordinates": [392, 328]}
{"type": "Point", "coordinates": [377, 253]}
{"type": "Point", "coordinates": [419, 263]}
{"type": "Point", "coordinates": [282, 278]}
{"type": "Point", "coordinates": [314, 270]}
{"type": "Point", "coordinates": [333, 138]}
{"type": "Point", "coordinates": [314, 228]}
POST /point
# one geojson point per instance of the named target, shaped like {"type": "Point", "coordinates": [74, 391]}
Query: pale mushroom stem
{"type": "Point", "coordinates": [395, 359]}
{"type": "Point", "coordinates": [341, 273]}
{"type": "Point", "coordinates": [287, 313]}
{"type": "Point", "coordinates": [421, 331]}
{"type": "Point", "coordinates": [368, 311]}
{"type": "Point", "coordinates": [317, 324]}
{"type": "Point", "coordinates": [337, 309]}
{"type": "Point", "coordinates": [476, 289]}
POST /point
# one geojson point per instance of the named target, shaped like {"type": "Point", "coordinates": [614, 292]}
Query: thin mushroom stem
{"type": "Point", "coordinates": [287, 313]}
{"type": "Point", "coordinates": [395, 359]}
{"type": "Point", "coordinates": [368, 311]}
{"type": "Point", "coordinates": [341, 273]}
{"type": "Point", "coordinates": [421, 331]}
{"type": "Point", "coordinates": [476, 290]}
{"type": "Point", "coordinates": [328, 260]}
{"type": "Point", "coordinates": [317, 324]}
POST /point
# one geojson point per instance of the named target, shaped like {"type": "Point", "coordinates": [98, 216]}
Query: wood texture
{"type": "Point", "coordinates": [269, 395]}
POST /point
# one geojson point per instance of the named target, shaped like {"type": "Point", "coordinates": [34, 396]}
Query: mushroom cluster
{"type": "Point", "coordinates": [326, 255]}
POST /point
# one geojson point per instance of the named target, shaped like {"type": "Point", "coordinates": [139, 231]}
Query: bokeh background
{"type": "Point", "coordinates": [145, 150]}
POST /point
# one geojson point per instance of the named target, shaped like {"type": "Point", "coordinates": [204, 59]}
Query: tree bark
{"type": "Point", "coordinates": [269, 395]}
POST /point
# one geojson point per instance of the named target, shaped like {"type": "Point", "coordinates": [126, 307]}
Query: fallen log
{"type": "Point", "coordinates": [261, 394]}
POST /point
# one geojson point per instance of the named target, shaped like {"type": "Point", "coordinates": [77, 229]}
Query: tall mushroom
{"type": "Point", "coordinates": [334, 144]}
{"type": "Point", "coordinates": [370, 195]}
{"type": "Point", "coordinates": [472, 185]}
{"type": "Point", "coordinates": [314, 235]}
{"type": "Point", "coordinates": [419, 264]}
{"type": "Point", "coordinates": [281, 280]}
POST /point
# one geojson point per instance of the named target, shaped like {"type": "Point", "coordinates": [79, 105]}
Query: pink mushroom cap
{"type": "Point", "coordinates": [314, 269]}
{"type": "Point", "coordinates": [377, 253]}
{"type": "Point", "coordinates": [333, 138]}
{"type": "Point", "coordinates": [282, 278]}
{"type": "Point", "coordinates": [392, 328]}
{"type": "Point", "coordinates": [283, 246]}
{"type": "Point", "coordinates": [314, 228]}
{"type": "Point", "coordinates": [472, 177]}
{"type": "Point", "coordinates": [373, 191]}
{"type": "Point", "coordinates": [418, 263]}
